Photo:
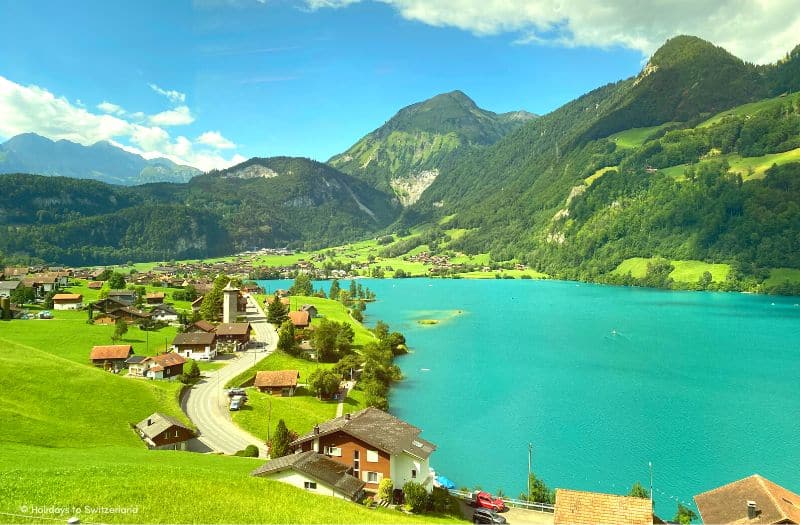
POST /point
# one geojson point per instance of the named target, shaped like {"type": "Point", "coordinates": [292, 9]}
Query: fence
{"type": "Point", "coordinates": [516, 503]}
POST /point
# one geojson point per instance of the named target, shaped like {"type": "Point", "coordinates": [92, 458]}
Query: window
{"type": "Point", "coordinates": [176, 433]}
{"type": "Point", "coordinates": [372, 456]}
{"type": "Point", "coordinates": [413, 474]}
{"type": "Point", "coordinates": [372, 477]}
{"type": "Point", "coordinates": [356, 463]}
{"type": "Point", "coordinates": [333, 451]}
{"type": "Point", "coordinates": [309, 485]}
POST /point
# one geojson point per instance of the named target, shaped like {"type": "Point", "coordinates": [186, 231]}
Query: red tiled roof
{"type": "Point", "coordinates": [299, 318]}
{"type": "Point", "coordinates": [169, 359]}
{"type": "Point", "coordinates": [155, 295]}
{"type": "Point", "coordinates": [204, 326]}
{"type": "Point", "coordinates": [276, 378]}
{"type": "Point", "coordinates": [71, 297]}
{"type": "Point", "coordinates": [95, 285]}
{"type": "Point", "coordinates": [577, 507]}
{"type": "Point", "coordinates": [111, 352]}
{"type": "Point", "coordinates": [728, 503]}
{"type": "Point", "coordinates": [233, 329]}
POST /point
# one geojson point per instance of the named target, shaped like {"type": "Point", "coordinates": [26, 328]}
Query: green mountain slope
{"type": "Point", "coordinates": [406, 154]}
{"type": "Point", "coordinates": [262, 202]}
{"type": "Point", "coordinates": [32, 153]}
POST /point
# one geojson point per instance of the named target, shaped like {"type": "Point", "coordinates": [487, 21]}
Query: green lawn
{"type": "Point", "coordinates": [685, 271]}
{"type": "Point", "coordinates": [781, 275]}
{"type": "Point", "coordinates": [163, 487]}
{"type": "Point", "coordinates": [300, 412]}
{"type": "Point", "coordinates": [333, 311]}
{"type": "Point", "coordinates": [751, 108]}
{"type": "Point", "coordinates": [278, 361]}
{"type": "Point", "coordinates": [90, 295]}
{"type": "Point", "coordinates": [635, 137]}
{"type": "Point", "coordinates": [743, 165]}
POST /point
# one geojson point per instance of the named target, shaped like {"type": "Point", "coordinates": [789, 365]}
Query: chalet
{"type": "Point", "coordinates": [107, 305]}
{"type": "Point", "coordinates": [311, 309]}
{"type": "Point", "coordinates": [67, 301]}
{"type": "Point", "coordinates": [94, 285]}
{"type": "Point", "coordinates": [164, 312]}
{"type": "Point", "coordinates": [195, 345]}
{"type": "Point", "coordinates": [127, 297]}
{"type": "Point", "coordinates": [129, 314]}
{"type": "Point", "coordinates": [42, 283]}
{"type": "Point", "coordinates": [300, 319]}
{"type": "Point", "coordinates": [754, 499]}
{"type": "Point", "coordinates": [374, 445]}
{"type": "Point", "coordinates": [96, 274]}
{"type": "Point", "coordinates": [137, 365]}
{"type": "Point", "coordinates": [234, 335]}
{"type": "Point", "coordinates": [15, 271]}
{"type": "Point", "coordinates": [313, 472]}
{"type": "Point", "coordinates": [251, 288]}
{"type": "Point", "coordinates": [201, 326]}
{"type": "Point", "coordinates": [155, 298]}
{"type": "Point", "coordinates": [111, 357]}
{"type": "Point", "coordinates": [577, 507]}
{"type": "Point", "coordinates": [277, 382]}
{"type": "Point", "coordinates": [165, 366]}
{"type": "Point", "coordinates": [8, 287]}
{"type": "Point", "coordinates": [162, 432]}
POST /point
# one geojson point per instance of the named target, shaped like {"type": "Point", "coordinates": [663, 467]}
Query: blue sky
{"type": "Point", "coordinates": [212, 82]}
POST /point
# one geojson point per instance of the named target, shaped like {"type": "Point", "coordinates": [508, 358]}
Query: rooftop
{"type": "Point", "coordinates": [194, 338]}
{"type": "Point", "coordinates": [578, 508]}
{"type": "Point", "coordinates": [111, 352]}
{"type": "Point", "coordinates": [156, 424]}
{"type": "Point", "coordinates": [316, 466]}
{"type": "Point", "coordinates": [728, 503]}
{"type": "Point", "coordinates": [233, 329]}
{"type": "Point", "coordinates": [276, 378]}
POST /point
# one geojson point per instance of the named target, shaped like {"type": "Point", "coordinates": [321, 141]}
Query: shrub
{"type": "Point", "coordinates": [416, 496]}
{"type": "Point", "coordinates": [369, 502]}
{"type": "Point", "coordinates": [385, 489]}
{"type": "Point", "coordinates": [250, 451]}
{"type": "Point", "coordinates": [440, 500]}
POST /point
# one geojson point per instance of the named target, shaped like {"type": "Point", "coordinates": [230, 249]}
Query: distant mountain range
{"type": "Point", "coordinates": [695, 158]}
{"type": "Point", "coordinates": [32, 153]}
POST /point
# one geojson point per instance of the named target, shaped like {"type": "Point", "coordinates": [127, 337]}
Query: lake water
{"type": "Point", "coordinates": [601, 380]}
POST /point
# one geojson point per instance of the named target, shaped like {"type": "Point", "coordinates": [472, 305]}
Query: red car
{"type": "Point", "coordinates": [487, 501]}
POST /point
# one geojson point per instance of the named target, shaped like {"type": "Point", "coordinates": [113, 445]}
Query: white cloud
{"type": "Point", "coordinates": [759, 31]}
{"type": "Point", "coordinates": [215, 140]}
{"type": "Point", "coordinates": [37, 110]}
{"type": "Point", "coordinates": [180, 116]}
{"type": "Point", "coordinates": [176, 97]}
{"type": "Point", "coordinates": [108, 107]}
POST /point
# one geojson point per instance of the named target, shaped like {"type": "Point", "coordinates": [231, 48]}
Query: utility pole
{"type": "Point", "coordinates": [650, 464]}
{"type": "Point", "coordinates": [530, 452]}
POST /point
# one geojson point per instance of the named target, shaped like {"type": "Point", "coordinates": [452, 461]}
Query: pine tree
{"type": "Point", "coordinates": [334, 291]}
{"type": "Point", "coordinates": [276, 312]}
{"type": "Point", "coordinates": [279, 445]}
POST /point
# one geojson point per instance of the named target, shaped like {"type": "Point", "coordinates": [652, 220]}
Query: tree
{"type": "Point", "coordinates": [120, 329]}
{"type": "Point", "coordinates": [116, 281]}
{"type": "Point", "coordinates": [302, 285]}
{"type": "Point", "coordinates": [23, 295]}
{"type": "Point", "coordinates": [685, 515]}
{"type": "Point", "coordinates": [324, 340]}
{"type": "Point", "coordinates": [276, 312]}
{"type": "Point", "coordinates": [416, 496]}
{"type": "Point", "coordinates": [385, 489]}
{"type": "Point", "coordinates": [353, 289]}
{"type": "Point", "coordinates": [279, 445]}
{"type": "Point", "coordinates": [194, 371]}
{"type": "Point", "coordinates": [381, 330]}
{"type": "Point", "coordinates": [211, 307]}
{"type": "Point", "coordinates": [638, 491]}
{"type": "Point", "coordinates": [335, 289]}
{"type": "Point", "coordinates": [540, 493]}
{"type": "Point", "coordinates": [705, 280]}
{"type": "Point", "coordinates": [141, 292]}
{"type": "Point", "coordinates": [48, 300]}
{"type": "Point", "coordinates": [348, 364]}
{"type": "Point", "coordinates": [324, 383]}
{"type": "Point", "coordinates": [286, 340]}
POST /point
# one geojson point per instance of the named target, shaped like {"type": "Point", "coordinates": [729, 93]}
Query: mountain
{"type": "Point", "coordinates": [32, 153]}
{"type": "Point", "coordinates": [261, 202]}
{"type": "Point", "coordinates": [406, 154]}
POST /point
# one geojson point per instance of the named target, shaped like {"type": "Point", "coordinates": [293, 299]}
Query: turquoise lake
{"type": "Point", "coordinates": [602, 380]}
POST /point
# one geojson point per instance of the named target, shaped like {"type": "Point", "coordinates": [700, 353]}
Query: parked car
{"type": "Point", "coordinates": [487, 516]}
{"type": "Point", "coordinates": [485, 500]}
{"type": "Point", "coordinates": [236, 402]}
{"type": "Point", "coordinates": [237, 392]}
{"type": "Point", "coordinates": [45, 314]}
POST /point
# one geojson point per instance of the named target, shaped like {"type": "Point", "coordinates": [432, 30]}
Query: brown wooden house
{"type": "Point", "coordinates": [195, 345]}
{"type": "Point", "coordinates": [236, 335]}
{"type": "Point", "coordinates": [111, 357]}
{"type": "Point", "coordinates": [154, 298]}
{"type": "Point", "coordinates": [160, 431]}
{"type": "Point", "coordinates": [277, 382]}
{"type": "Point", "coordinates": [300, 318]}
{"type": "Point", "coordinates": [201, 326]}
{"type": "Point", "coordinates": [165, 366]}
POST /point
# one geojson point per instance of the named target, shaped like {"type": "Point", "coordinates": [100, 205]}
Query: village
{"type": "Point", "coordinates": [360, 453]}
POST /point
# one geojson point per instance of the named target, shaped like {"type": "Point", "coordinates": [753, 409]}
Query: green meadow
{"type": "Point", "coordinates": [781, 275]}
{"type": "Point", "coordinates": [634, 137]}
{"type": "Point", "coordinates": [684, 271]}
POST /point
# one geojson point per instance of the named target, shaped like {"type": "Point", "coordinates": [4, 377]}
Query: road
{"type": "Point", "coordinates": [206, 404]}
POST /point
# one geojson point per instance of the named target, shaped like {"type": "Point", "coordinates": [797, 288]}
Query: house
{"type": "Point", "coordinates": [107, 305]}
{"type": "Point", "coordinates": [195, 345]}
{"type": "Point", "coordinates": [137, 365]}
{"type": "Point", "coordinates": [277, 382]}
{"type": "Point", "coordinates": [129, 314]}
{"type": "Point", "coordinates": [165, 366]}
{"type": "Point", "coordinates": [162, 432]}
{"type": "Point", "coordinates": [8, 287]}
{"type": "Point", "coordinates": [754, 499]}
{"type": "Point", "coordinates": [311, 309]}
{"type": "Point", "coordinates": [235, 336]}
{"type": "Point", "coordinates": [374, 445]}
{"type": "Point", "coordinates": [94, 285]}
{"type": "Point", "coordinates": [164, 312]}
{"type": "Point", "coordinates": [201, 326]}
{"type": "Point", "coordinates": [15, 271]}
{"type": "Point", "coordinates": [577, 507]}
{"type": "Point", "coordinates": [111, 357]}
{"type": "Point", "coordinates": [313, 472]}
{"type": "Point", "coordinates": [127, 297]}
{"type": "Point", "coordinates": [155, 298]}
{"type": "Point", "coordinates": [300, 319]}
{"type": "Point", "coordinates": [42, 283]}
{"type": "Point", "coordinates": [67, 301]}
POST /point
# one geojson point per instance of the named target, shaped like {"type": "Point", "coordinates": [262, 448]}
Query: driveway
{"type": "Point", "coordinates": [206, 403]}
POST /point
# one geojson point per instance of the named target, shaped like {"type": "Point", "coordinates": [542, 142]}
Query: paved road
{"type": "Point", "coordinates": [207, 402]}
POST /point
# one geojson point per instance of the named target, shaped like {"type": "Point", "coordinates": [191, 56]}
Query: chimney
{"type": "Point", "coordinates": [347, 417]}
{"type": "Point", "coordinates": [752, 510]}
{"type": "Point", "coordinates": [316, 429]}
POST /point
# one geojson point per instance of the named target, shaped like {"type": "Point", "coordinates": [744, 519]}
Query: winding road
{"type": "Point", "coordinates": [206, 403]}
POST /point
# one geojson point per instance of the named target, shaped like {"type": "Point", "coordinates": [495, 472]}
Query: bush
{"type": "Point", "coordinates": [385, 489]}
{"type": "Point", "coordinates": [250, 451]}
{"type": "Point", "coordinates": [439, 500]}
{"type": "Point", "coordinates": [416, 496]}
{"type": "Point", "coordinates": [369, 502]}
